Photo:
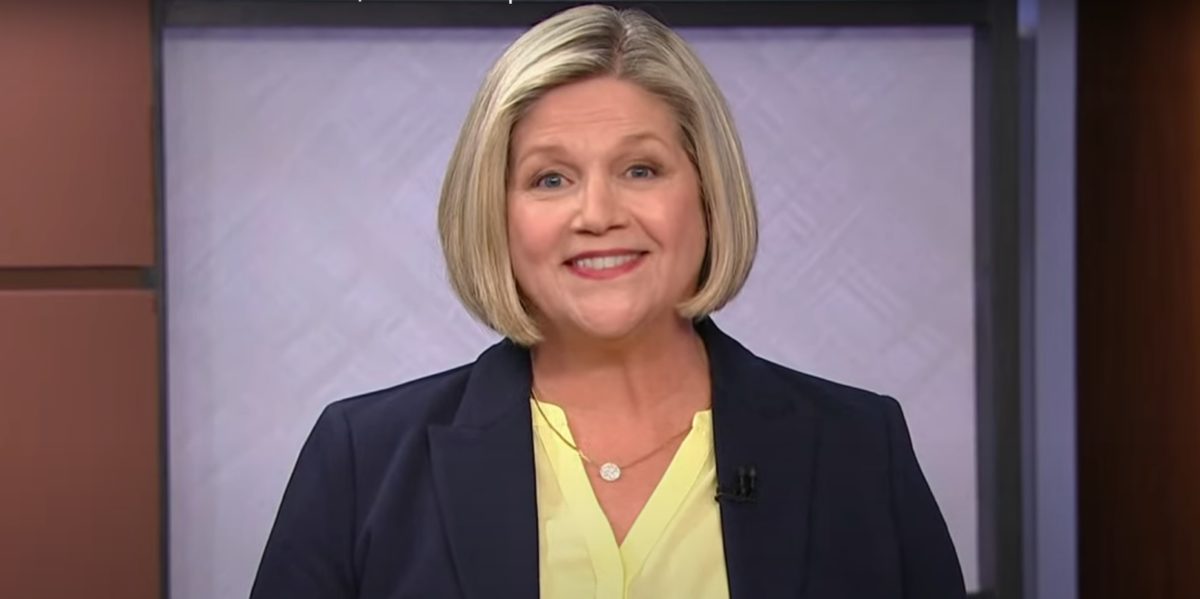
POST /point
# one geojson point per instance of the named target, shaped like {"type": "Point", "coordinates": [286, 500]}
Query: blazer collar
{"type": "Point", "coordinates": [484, 473]}
{"type": "Point", "coordinates": [484, 477]}
{"type": "Point", "coordinates": [761, 420]}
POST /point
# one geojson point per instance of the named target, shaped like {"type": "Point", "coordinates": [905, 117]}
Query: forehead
{"type": "Point", "coordinates": [599, 108]}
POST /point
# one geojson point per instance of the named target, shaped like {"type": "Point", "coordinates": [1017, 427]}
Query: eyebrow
{"type": "Point", "coordinates": [556, 148]}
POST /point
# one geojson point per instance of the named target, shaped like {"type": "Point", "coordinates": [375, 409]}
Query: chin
{"type": "Point", "coordinates": [607, 329]}
{"type": "Point", "coordinates": [611, 324]}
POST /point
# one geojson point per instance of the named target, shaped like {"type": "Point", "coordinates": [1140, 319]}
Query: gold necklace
{"type": "Point", "coordinates": [609, 471]}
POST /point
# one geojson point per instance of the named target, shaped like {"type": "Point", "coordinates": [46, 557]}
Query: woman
{"type": "Point", "coordinates": [616, 444]}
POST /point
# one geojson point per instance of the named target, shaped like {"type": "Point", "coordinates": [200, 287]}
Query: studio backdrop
{"type": "Point", "coordinates": [302, 169]}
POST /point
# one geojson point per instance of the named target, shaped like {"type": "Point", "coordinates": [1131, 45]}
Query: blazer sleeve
{"type": "Point", "coordinates": [930, 565]}
{"type": "Point", "coordinates": [309, 552]}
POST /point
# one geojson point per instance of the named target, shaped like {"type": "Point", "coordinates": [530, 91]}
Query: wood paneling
{"type": "Point", "coordinates": [1139, 299]}
{"type": "Point", "coordinates": [79, 445]}
{"type": "Point", "coordinates": [80, 453]}
{"type": "Point", "coordinates": [76, 145]}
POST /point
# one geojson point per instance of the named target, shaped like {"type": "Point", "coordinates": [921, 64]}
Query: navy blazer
{"type": "Point", "coordinates": [427, 490]}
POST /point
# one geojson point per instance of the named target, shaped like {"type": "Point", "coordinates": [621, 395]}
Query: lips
{"type": "Point", "coordinates": [605, 264]}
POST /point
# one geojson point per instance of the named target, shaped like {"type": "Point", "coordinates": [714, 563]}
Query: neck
{"type": "Point", "coordinates": [662, 368]}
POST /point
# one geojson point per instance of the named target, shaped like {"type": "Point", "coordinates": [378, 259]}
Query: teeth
{"type": "Point", "coordinates": [604, 262]}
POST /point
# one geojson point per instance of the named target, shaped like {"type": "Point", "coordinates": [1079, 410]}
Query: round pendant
{"type": "Point", "coordinates": [610, 471]}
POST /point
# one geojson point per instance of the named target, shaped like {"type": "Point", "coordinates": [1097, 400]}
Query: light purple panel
{"type": "Point", "coordinates": [859, 144]}
{"type": "Point", "coordinates": [302, 171]}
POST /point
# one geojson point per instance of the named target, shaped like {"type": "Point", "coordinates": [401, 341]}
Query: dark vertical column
{"type": "Point", "coordinates": [80, 451]}
{"type": "Point", "coordinates": [998, 301]}
{"type": "Point", "coordinates": [1139, 298]}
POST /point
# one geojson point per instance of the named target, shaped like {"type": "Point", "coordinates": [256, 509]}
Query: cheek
{"type": "Point", "coordinates": [531, 238]}
{"type": "Point", "coordinates": [696, 238]}
{"type": "Point", "coordinates": [691, 233]}
{"type": "Point", "coordinates": [680, 228]}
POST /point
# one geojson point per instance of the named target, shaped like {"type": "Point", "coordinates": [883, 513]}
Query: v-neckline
{"type": "Point", "coordinates": [655, 515]}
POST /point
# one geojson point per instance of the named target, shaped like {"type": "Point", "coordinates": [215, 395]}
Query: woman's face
{"type": "Point", "coordinates": [605, 224]}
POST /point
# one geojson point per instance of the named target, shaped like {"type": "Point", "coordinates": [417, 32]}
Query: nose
{"type": "Point", "coordinates": [600, 207]}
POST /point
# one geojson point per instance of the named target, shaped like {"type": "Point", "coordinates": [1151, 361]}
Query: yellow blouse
{"type": "Point", "coordinates": [674, 548]}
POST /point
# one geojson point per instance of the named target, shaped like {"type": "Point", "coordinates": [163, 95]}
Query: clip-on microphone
{"type": "Point", "coordinates": [744, 491]}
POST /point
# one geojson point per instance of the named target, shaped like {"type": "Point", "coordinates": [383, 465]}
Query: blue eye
{"type": "Point", "coordinates": [549, 181]}
{"type": "Point", "coordinates": [641, 172]}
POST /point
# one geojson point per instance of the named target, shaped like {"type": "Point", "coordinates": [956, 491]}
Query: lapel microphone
{"type": "Point", "coordinates": [744, 490]}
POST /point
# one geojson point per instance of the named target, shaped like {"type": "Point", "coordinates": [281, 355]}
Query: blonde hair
{"type": "Point", "coordinates": [576, 44]}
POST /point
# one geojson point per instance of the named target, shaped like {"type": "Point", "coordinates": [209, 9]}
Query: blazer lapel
{"type": "Point", "coordinates": [484, 477]}
{"type": "Point", "coordinates": [484, 474]}
{"type": "Point", "coordinates": [759, 424]}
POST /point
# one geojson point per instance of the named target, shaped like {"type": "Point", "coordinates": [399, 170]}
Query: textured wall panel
{"type": "Point", "coordinates": [303, 168]}
{"type": "Point", "coordinates": [79, 445]}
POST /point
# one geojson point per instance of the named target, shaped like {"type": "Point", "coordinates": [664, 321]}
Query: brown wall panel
{"type": "Point", "coordinates": [76, 149]}
{"type": "Point", "coordinates": [1139, 299]}
{"type": "Point", "coordinates": [79, 445]}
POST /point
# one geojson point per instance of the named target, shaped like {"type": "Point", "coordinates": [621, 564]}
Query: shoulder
{"type": "Point", "coordinates": [870, 480]}
{"type": "Point", "coordinates": [409, 406]}
{"type": "Point", "coordinates": [828, 395]}
{"type": "Point", "coordinates": [778, 390]}
{"type": "Point", "coordinates": [847, 409]}
{"type": "Point", "coordinates": [860, 431]}
{"type": "Point", "coordinates": [781, 389]}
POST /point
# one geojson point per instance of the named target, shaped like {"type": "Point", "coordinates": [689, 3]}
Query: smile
{"type": "Point", "coordinates": [605, 267]}
{"type": "Point", "coordinates": [605, 262]}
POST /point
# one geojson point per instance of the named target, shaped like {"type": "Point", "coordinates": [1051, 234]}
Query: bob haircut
{"type": "Point", "coordinates": [576, 44]}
